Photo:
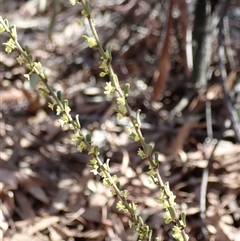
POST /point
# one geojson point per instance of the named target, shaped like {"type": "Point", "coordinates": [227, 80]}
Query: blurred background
{"type": "Point", "coordinates": [182, 59]}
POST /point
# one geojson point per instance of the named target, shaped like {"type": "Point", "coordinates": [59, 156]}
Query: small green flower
{"type": "Point", "coordinates": [91, 41]}
{"type": "Point", "coordinates": [29, 66]}
{"type": "Point", "coordinates": [131, 223]}
{"type": "Point", "coordinates": [141, 153]}
{"type": "Point", "coordinates": [109, 89]}
{"type": "Point", "coordinates": [102, 174]}
{"type": "Point", "coordinates": [102, 74]}
{"type": "Point", "coordinates": [115, 178]}
{"type": "Point", "coordinates": [124, 193]}
{"type": "Point", "coordinates": [58, 110]}
{"type": "Point", "coordinates": [51, 105]}
{"type": "Point", "coordinates": [177, 233]}
{"type": "Point", "coordinates": [151, 172]}
{"type": "Point", "coordinates": [20, 59]}
{"type": "Point", "coordinates": [93, 161]}
{"type": "Point", "coordinates": [38, 65]}
{"type": "Point", "coordinates": [121, 101]}
{"type": "Point", "coordinates": [67, 109]}
{"type": "Point", "coordinates": [113, 191]}
{"type": "Point", "coordinates": [167, 217]}
{"type": "Point", "coordinates": [62, 122]}
{"type": "Point", "coordinates": [73, 2]}
{"type": "Point", "coordinates": [121, 207]}
{"type": "Point", "coordinates": [103, 64]}
{"type": "Point", "coordinates": [72, 127]}
{"type": "Point", "coordinates": [9, 45]}
{"type": "Point", "coordinates": [84, 13]}
{"type": "Point", "coordinates": [75, 140]}
{"type": "Point", "coordinates": [81, 146]}
{"type": "Point", "coordinates": [93, 164]}
{"type": "Point", "coordinates": [94, 171]}
{"type": "Point", "coordinates": [165, 205]}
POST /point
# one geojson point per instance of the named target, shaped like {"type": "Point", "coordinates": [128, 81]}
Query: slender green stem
{"type": "Point", "coordinates": [159, 181]}
{"type": "Point", "coordinates": [101, 50]}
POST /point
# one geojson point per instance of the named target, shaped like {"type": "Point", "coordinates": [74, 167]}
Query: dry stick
{"type": "Point", "coordinates": [163, 68]}
{"type": "Point", "coordinates": [229, 51]}
{"type": "Point", "coordinates": [209, 120]}
{"type": "Point", "coordinates": [232, 115]}
{"type": "Point", "coordinates": [223, 74]}
{"type": "Point", "coordinates": [9, 219]}
{"type": "Point", "coordinates": [202, 56]}
{"type": "Point", "coordinates": [185, 44]}
{"type": "Point", "coordinates": [203, 191]}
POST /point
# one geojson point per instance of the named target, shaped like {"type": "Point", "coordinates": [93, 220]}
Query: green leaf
{"type": "Point", "coordinates": [126, 89]}
{"type": "Point", "coordinates": [88, 138]}
{"type": "Point", "coordinates": [138, 118]}
{"type": "Point", "coordinates": [167, 189]}
{"type": "Point", "coordinates": [149, 150]}
{"type": "Point", "coordinates": [34, 79]}
{"type": "Point", "coordinates": [59, 95]}
{"type": "Point", "coordinates": [183, 219]}
{"type": "Point", "coordinates": [77, 121]}
{"type": "Point", "coordinates": [172, 212]}
{"type": "Point", "coordinates": [114, 80]}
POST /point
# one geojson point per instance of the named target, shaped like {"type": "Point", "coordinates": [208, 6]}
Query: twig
{"type": "Point", "coordinates": [204, 183]}
{"type": "Point", "coordinates": [209, 119]}
{"type": "Point", "coordinates": [223, 74]}
{"type": "Point", "coordinates": [203, 190]}
{"type": "Point", "coordinates": [228, 47]}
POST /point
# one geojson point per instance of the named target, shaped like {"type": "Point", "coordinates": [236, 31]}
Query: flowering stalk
{"type": "Point", "coordinates": [166, 197]}
{"type": "Point", "coordinates": [82, 142]}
